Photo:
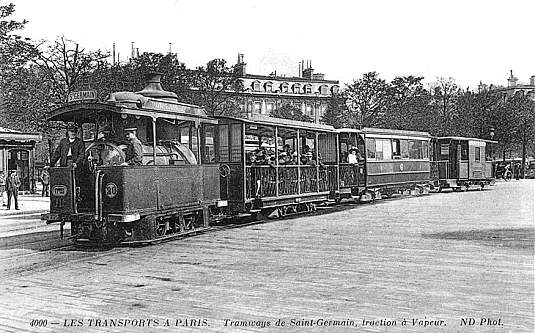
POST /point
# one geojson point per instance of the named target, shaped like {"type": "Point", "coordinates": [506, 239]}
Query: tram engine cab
{"type": "Point", "coordinates": [174, 191]}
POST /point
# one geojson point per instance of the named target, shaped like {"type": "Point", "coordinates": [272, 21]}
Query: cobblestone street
{"type": "Point", "coordinates": [432, 260]}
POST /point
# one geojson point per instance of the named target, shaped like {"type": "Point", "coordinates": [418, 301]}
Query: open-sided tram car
{"type": "Point", "coordinates": [276, 166]}
{"type": "Point", "coordinates": [459, 163]}
{"type": "Point", "coordinates": [175, 191]}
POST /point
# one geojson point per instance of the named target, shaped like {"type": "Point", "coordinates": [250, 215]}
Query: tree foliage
{"type": "Point", "coordinates": [336, 113]}
{"type": "Point", "coordinates": [14, 49]}
{"type": "Point", "coordinates": [65, 63]}
{"type": "Point", "coordinates": [288, 111]}
{"type": "Point", "coordinates": [367, 100]}
{"type": "Point", "coordinates": [210, 86]}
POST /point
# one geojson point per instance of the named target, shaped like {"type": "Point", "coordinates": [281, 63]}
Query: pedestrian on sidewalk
{"type": "Point", "coordinates": [12, 186]}
{"type": "Point", "coordinates": [2, 187]}
{"type": "Point", "coordinates": [45, 180]}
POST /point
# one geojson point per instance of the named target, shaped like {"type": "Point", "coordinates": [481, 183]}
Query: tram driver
{"type": "Point", "coordinates": [134, 151]}
{"type": "Point", "coordinates": [70, 151]}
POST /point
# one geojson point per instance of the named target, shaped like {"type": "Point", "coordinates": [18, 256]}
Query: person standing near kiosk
{"type": "Point", "coordinates": [12, 186]}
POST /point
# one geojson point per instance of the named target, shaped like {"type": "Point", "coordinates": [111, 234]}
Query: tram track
{"type": "Point", "coordinates": [95, 253]}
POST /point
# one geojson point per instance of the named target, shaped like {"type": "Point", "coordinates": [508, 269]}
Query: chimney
{"type": "Point", "coordinates": [532, 80]}
{"type": "Point", "coordinates": [132, 54]}
{"type": "Point", "coordinates": [240, 65]}
{"type": "Point", "coordinates": [114, 53]}
{"type": "Point", "coordinates": [308, 73]}
{"type": "Point", "coordinates": [153, 88]}
{"type": "Point", "coordinates": [511, 81]}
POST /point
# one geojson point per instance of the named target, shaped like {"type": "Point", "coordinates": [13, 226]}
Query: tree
{"type": "Point", "coordinates": [408, 105]}
{"type": "Point", "coordinates": [336, 113]}
{"type": "Point", "coordinates": [445, 92]}
{"type": "Point", "coordinates": [212, 86]}
{"type": "Point", "coordinates": [524, 131]}
{"type": "Point", "coordinates": [14, 49]}
{"type": "Point", "coordinates": [367, 100]}
{"type": "Point", "coordinates": [65, 64]}
{"type": "Point", "coordinates": [288, 111]}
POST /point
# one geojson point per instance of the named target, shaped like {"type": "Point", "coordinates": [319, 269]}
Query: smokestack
{"type": "Point", "coordinates": [114, 53]}
{"type": "Point", "coordinates": [132, 55]}
{"type": "Point", "coordinates": [137, 52]}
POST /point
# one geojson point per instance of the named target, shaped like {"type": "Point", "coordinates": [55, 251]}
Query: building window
{"type": "Point", "coordinates": [255, 86]}
{"type": "Point", "coordinates": [284, 87]}
{"type": "Point", "coordinates": [308, 110]}
{"type": "Point", "coordinates": [257, 107]}
{"type": "Point", "coordinates": [269, 107]}
{"type": "Point", "coordinates": [323, 110]}
{"type": "Point", "coordinates": [296, 88]}
{"type": "Point", "coordinates": [323, 90]}
{"type": "Point", "coordinates": [334, 90]}
{"type": "Point", "coordinates": [268, 87]}
{"type": "Point", "coordinates": [308, 89]}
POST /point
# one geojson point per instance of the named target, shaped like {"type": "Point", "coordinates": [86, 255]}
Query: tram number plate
{"type": "Point", "coordinates": [111, 190]}
{"type": "Point", "coordinates": [59, 190]}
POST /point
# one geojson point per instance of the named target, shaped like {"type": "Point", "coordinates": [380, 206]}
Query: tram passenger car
{"type": "Point", "coordinates": [175, 191]}
{"type": "Point", "coordinates": [460, 163]}
{"type": "Point", "coordinates": [276, 167]}
{"type": "Point", "coordinates": [396, 161]}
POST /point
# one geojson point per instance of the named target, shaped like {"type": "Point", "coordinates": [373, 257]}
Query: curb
{"type": "Point", "coordinates": [9, 213]}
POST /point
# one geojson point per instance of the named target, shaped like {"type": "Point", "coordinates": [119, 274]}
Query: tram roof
{"type": "Point", "coordinates": [386, 131]}
{"type": "Point", "coordinates": [461, 138]}
{"type": "Point", "coordinates": [79, 112]}
{"type": "Point", "coordinates": [280, 122]}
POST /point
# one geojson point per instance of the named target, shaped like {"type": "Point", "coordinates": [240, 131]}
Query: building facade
{"type": "Point", "coordinates": [309, 92]}
{"type": "Point", "coordinates": [17, 152]}
{"type": "Point", "coordinates": [515, 88]}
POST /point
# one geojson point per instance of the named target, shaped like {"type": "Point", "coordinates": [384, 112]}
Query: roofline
{"type": "Point", "coordinates": [11, 136]}
{"type": "Point", "coordinates": [281, 122]}
{"type": "Point", "coordinates": [464, 138]}
{"type": "Point", "coordinates": [286, 78]}
{"type": "Point", "coordinates": [119, 108]}
{"type": "Point", "coordinates": [372, 130]}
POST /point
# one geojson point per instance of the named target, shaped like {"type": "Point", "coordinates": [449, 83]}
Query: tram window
{"type": "Point", "coordinates": [208, 148]}
{"type": "Point", "coordinates": [223, 143]}
{"type": "Point", "coordinates": [425, 149]}
{"type": "Point", "coordinates": [370, 148]}
{"type": "Point", "coordinates": [464, 150]}
{"type": "Point", "coordinates": [184, 136]}
{"type": "Point", "coordinates": [404, 148]}
{"type": "Point", "coordinates": [415, 149]}
{"type": "Point", "coordinates": [477, 154]}
{"type": "Point", "coordinates": [387, 148]}
{"type": "Point", "coordinates": [236, 143]}
{"type": "Point", "coordinates": [396, 149]}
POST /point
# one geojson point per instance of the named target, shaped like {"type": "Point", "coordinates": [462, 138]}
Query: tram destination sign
{"type": "Point", "coordinates": [82, 95]}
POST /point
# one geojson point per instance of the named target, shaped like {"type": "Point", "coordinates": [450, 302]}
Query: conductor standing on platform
{"type": "Point", "coordinates": [70, 151]}
{"type": "Point", "coordinates": [134, 151]}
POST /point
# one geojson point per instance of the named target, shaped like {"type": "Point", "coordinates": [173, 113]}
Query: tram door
{"type": "Point", "coordinates": [455, 157]}
{"type": "Point", "coordinates": [18, 159]}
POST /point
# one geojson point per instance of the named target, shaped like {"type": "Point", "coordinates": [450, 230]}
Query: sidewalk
{"type": "Point", "coordinates": [28, 204]}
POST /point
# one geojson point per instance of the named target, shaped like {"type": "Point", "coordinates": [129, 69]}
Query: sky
{"type": "Point", "coordinates": [468, 40]}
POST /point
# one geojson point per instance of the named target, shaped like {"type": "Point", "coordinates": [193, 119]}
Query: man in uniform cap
{"type": "Point", "coordinates": [70, 151]}
{"type": "Point", "coordinates": [134, 151]}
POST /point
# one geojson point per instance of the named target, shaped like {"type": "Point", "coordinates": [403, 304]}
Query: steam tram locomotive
{"type": "Point", "coordinates": [198, 170]}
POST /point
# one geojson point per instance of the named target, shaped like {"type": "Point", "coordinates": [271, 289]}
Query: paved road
{"type": "Point", "coordinates": [432, 260]}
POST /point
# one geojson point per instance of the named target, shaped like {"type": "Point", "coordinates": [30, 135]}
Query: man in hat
{"type": "Point", "coordinates": [12, 187]}
{"type": "Point", "coordinates": [70, 151]}
{"type": "Point", "coordinates": [134, 151]}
